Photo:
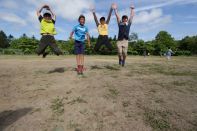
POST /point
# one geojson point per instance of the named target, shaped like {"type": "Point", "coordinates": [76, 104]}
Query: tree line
{"type": "Point", "coordinates": [163, 40]}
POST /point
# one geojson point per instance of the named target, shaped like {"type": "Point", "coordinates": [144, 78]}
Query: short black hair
{"type": "Point", "coordinates": [102, 19]}
{"type": "Point", "coordinates": [47, 15]}
{"type": "Point", "coordinates": [81, 16]}
{"type": "Point", "coordinates": [124, 17]}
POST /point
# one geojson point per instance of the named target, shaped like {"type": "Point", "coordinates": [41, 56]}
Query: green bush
{"type": "Point", "coordinates": [183, 53]}
{"type": "Point", "coordinates": [10, 52]}
{"type": "Point", "coordinates": [133, 53]}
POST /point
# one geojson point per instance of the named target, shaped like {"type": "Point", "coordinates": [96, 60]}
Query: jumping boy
{"type": "Point", "coordinates": [123, 35]}
{"type": "Point", "coordinates": [47, 31]}
{"type": "Point", "coordinates": [80, 31]}
{"type": "Point", "coordinates": [103, 31]}
{"type": "Point", "coordinates": [169, 53]}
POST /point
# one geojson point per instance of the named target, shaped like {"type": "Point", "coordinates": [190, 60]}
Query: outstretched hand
{"type": "Point", "coordinates": [132, 6]}
{"type": "Point", "coordinates": [92, 8]}
{"type": "Point", "coordinates": [46, 6]}
{"type": "Point", "coordinates": [114, 6]}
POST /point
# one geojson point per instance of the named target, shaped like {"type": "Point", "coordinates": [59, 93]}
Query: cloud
{"type": "Point", "coordinates": [149, 20]}
{"type": "Point", "coordinates": [190, 22]}
{"type": "Point", "coordinates": [68, 9]}
{"type": "Point", "coordinates": [9, 4]}
{"type": "Point", "coordinates": [158, 23]}
{"type": "Point", "coordinates": [33, 19]}
{"type": "Point", "coordinates": [146, 17]}
{"type": "Point", "coordinates": [9, 17]}
{"type": "Point", "coordinates": [163, 3]}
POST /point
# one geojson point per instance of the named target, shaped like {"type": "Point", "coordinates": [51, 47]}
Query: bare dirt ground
{"type": "Point", "coordinates": [148, 94]}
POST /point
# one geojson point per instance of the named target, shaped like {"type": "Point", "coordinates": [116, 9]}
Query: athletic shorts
{"type": "Point", "coordinates": [122, 47]}
{"type": "Point", "coordinates": [79, 47]}
{"type": "Point", "coordinates": [103, 40]}
{"type": "Point", "coordinates": [48, 40]}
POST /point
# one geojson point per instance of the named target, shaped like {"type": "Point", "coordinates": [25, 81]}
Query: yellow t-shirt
{"type": "Point", "coordinates": [47, 27]}
{"type": "Point", "coordinates": [103, 29]}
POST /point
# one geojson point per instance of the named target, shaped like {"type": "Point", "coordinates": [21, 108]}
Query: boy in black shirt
{"type": "Point", "coordinates": [123, 35]}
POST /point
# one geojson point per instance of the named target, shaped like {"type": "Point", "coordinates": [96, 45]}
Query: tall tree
{"type": "Point", "coordinates": [163, 41]}
{"type": "Point", "coordinates": [133, 37]}
{"type": "Point", "coordinates": [10, 38]}
{"type": "Point", "coordinates": [189, 44]}
{"type": "Point", "coordinates": [3, 40]}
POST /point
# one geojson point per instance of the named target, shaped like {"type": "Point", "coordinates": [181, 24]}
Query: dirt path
{"type": "Point", "coordinates": [148, 94]}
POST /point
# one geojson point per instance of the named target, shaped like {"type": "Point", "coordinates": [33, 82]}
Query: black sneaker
{"type": "Point", "coordinates": [120, 62]}
{"type": "Point", "coordinates": [123, 63]}
{"type": "Point", "coordinates": [45, 54]}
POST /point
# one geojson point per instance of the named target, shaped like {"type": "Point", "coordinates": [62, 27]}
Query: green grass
{"type": "Point", "coordinates": [157, 119]}
{"type": "Point", "coordinates": [57, 106]}
{"type": "Point", "coordinates": [77, 100]}
{"type": "Point", "coordinates": [113, 93]}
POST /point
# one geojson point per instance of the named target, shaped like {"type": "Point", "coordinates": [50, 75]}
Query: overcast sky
{"type": "Point", "coordinates": [178, 17]}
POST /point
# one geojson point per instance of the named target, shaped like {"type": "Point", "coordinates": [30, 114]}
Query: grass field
{"type": "Point", "coordinates": [148, 94]}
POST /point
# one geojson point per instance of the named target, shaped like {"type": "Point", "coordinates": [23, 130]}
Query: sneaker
{"type": "Point", "coordinates": [123, 63]}
{"type": "Point", "coordinates": [44, 54]}
{"type": "Point", "coordinates": [78, 69]}
{"type": "Point", "coordinates": [120, 62]}
{"type": "Point", "coordinates": [82, 69]}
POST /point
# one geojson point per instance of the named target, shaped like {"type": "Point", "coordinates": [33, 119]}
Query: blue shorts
{"type": "Point", "coordinates": [79, 47]}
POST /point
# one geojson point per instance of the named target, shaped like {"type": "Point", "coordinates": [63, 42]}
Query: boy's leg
{"type": "Point", "coordinates": [81, 63]}
{"type": "Point", "coordinates": [42, 46]}
{"type": "Point", "coordinates": [76, 50]}
{"type": "Point", "coordinates": [98, 44]}
{"type": "Point", "coordinates": [78, 59]}
{"type": "Point", "coordinates": [54, 46]}
{"type": "Point", "coordinates": [120, 51]}
{"type": "Point", "coordinates": [125, 49]}
{"type": "Point", "coordinates": [80, 50]}
{"type": "Point", "coordinates": [82, 57]}
{"type": "Point", "coordinates": [108, 44]}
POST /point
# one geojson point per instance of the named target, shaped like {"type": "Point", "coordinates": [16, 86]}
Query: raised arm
{"type": "Point", "coordinates": [53, 14]}
{"type": "Point", "coordinates": [95, 17]}
{"type": "Point", "coordinates": [132, 14]}
{"type": "Point", "coordinates": [40, 10]}
{"type": "Point", "coordinates": [109, 16]}
{"type": "Point", "coordinates": [114, 6]}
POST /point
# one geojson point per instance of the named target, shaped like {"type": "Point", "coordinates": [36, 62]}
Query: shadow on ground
{"type": "Point", "coordinates": [9, 117]}
{"type": "Point", "coordinates": [108, 67]}
{"type": "Point", "coordinates": [57, 70]}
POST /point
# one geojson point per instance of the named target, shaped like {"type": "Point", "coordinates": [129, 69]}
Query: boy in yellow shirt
{"type": "Point", "coordinates": [47, 22]}
{"type": "Point", "coordinates": [103, 31]}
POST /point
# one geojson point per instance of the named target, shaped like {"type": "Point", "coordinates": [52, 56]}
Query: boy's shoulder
{"type": "Point", "coordinates": [80, 26]}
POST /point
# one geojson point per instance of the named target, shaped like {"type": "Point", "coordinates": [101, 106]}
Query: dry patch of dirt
{"type": "Point", "coordinates": [48, 95]}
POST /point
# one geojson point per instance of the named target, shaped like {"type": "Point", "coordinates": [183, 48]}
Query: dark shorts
{"type": "Point", "coordinates": [79, 47]}
{"type": "Point", "coordinates": [48, 40]}
{"type": "Point", "coordinates": [103, 40]}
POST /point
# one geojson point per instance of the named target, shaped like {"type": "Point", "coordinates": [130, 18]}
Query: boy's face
{"type": "Point", "coordinates": [102, 22]}
{"type": "Point", "coordinates": [125, 20]}
{"type": "Point", "coordinates": [47, 17]}
{"type": "Point", "coordinates": [82, 21]}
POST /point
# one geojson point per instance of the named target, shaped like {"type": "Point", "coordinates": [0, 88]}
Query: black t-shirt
{"type": "Point", "coordinates": [124, 30]}
{"type": "Point", "coordinates": [40, 18]}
